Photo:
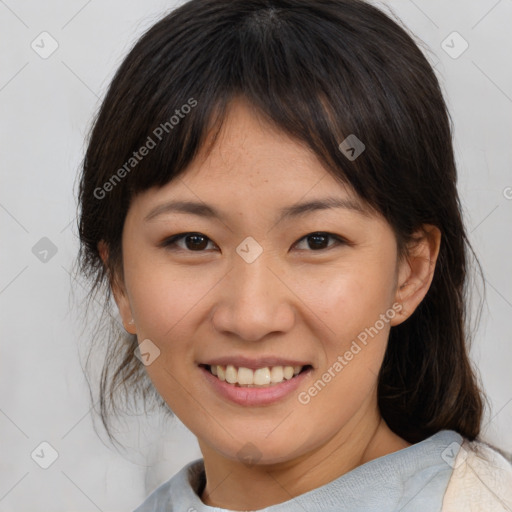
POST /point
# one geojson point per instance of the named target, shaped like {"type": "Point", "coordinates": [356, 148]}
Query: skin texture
{"type": "Point", "coordinates": [294, 300]}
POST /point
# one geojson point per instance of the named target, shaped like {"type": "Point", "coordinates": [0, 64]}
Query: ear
{"type": "Point", "coordinates": [416, 271]}
{"type": "Point", "coordinates": [119, 292]}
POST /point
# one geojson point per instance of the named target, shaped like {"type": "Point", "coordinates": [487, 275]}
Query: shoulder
{"type": "Point", "coordinates": [179, 493]}
{"type": "Point", "coordinates": [481, 480]}
{"type": "Point", "coordinates": [158, 500]}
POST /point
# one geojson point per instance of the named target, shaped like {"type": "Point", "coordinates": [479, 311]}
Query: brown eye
{"type": "Point", "coordinates": [320, 241]}
{"type": "Point", "coordinates": [194, 242]}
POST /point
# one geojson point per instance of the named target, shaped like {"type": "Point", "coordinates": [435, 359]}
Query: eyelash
{"type": "Point", "coordinates": [171, 243]}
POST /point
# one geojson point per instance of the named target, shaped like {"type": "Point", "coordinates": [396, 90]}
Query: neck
{"type": "Point", "coordinates": [237, 486]}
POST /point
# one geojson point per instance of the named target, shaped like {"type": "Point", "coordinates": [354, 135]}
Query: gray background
{"type": "Point", "coordinates": [47, 107]}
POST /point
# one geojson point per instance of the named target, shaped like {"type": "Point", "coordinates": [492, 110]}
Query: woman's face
{"type": "Point", "coordinates": [254, 287]}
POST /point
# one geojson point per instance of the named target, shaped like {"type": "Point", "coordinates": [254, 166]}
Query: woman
{"type": "Point", "coordinates": [269, 193]}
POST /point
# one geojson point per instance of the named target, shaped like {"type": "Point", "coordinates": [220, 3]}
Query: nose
{"type": "Point", "coordinates": [253, 302]}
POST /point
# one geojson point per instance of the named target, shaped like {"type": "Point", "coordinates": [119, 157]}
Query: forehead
{"type": "Point", "coordinates": [250, 153]}
{"type": "Point", "coordinates": [250, 168]}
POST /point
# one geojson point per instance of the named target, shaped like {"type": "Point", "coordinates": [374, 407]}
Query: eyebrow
{"type": "Point", "coordinates": [296, 210]}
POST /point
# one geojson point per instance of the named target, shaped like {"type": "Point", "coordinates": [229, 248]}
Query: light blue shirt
{"type": "Point", "coordinates": [413, 479]}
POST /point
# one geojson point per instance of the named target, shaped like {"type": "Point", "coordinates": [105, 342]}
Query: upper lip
{"type": "Point", "coordinates": [253, 364]}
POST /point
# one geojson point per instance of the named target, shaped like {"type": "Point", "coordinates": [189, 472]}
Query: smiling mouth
{"type": "Point", "coordinates": [259, 378]}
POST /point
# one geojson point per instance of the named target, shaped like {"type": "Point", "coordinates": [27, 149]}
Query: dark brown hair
{"type": "Point", "coordinates": [318, 70]}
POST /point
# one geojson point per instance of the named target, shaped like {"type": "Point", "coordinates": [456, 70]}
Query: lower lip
{"type": "Point", "coordinates": [255, 396]}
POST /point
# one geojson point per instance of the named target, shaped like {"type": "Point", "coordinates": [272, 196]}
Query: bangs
{"type": "Point", "coordinates": [317, 73]}
{"type": "Point", "coordinates": [177, 93]}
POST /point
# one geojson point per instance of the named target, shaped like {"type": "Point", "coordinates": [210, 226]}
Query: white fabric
{"type": "Point", "coordinates": [481, 481]}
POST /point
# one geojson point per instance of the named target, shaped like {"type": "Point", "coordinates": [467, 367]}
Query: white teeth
{"type": "Point", "coordinates": [261, 377]}
{"type": "Point", "coordinates": [231, 374]}
{"type": "Point", "coordinates": [276, 374]}
{"type": "Point", "coordinates": [288, 372]}
{"type": "Point", "coordinates": [245, 376]}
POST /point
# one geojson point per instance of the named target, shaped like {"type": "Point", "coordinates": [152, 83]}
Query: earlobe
{"type": "Point", "coordinates": [130, 328]}
{"type": "Point", "coordinates": [118, 292]}
{"type": "Point", "coordinates": [417, 271]}
{"type": "Point", "coordinates": [103, 251]}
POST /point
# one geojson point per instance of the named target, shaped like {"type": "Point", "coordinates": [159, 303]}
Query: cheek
{"type": "Point", "coordinates": [349, 298]}
{"type": "Point", "coordinates": [166, 304]}
{"type": "Point", "coordinates": [357, 320]}
{"type": "Point", "coordinates": [353, 304]}
{"type": "Point", "coordinates": [163, 297]}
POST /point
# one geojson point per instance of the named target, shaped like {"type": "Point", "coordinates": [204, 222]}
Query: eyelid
{"type": "Point", "coordinates": [170, 243]}
{"type": "Point", "coordinates": [339, 241]}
